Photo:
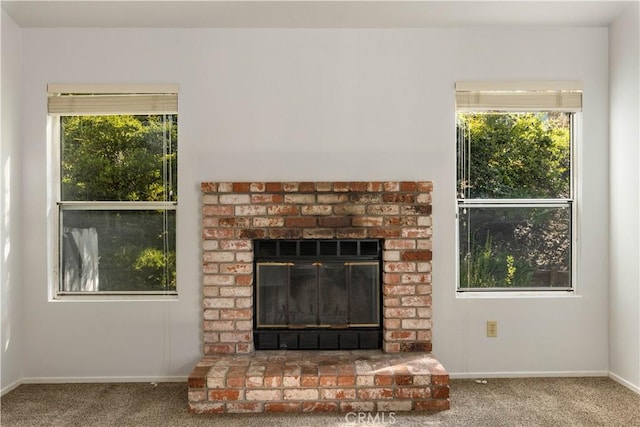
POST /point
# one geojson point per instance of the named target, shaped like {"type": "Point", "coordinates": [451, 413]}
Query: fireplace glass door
{"type": "Point", "coordinates": [330, 294]}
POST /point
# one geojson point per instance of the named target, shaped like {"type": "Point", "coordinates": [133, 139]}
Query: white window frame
{"type": "Point", "coordinates": [137, 99]}
{"type": "Point", "coordinates": [524, 96]}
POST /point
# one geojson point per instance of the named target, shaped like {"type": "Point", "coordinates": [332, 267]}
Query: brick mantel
{"type": "Point", "coordinates": [236, 213]}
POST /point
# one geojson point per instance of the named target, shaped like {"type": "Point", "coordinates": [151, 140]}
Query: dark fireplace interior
{"type": "Point", "coordinates": [317, 294]}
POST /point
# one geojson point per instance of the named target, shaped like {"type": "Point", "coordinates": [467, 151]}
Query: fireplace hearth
{"type": "Point", "coordinates": [341, 268]}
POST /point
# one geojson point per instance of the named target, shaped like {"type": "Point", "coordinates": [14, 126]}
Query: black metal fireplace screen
{"type": "Point", "coordinates": [317, 294]}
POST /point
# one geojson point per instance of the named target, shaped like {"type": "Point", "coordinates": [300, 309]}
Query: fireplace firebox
{"type": "Point", "coordinates": [317, 294]}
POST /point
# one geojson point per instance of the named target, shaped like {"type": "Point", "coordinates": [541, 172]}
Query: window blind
{"type": "Point", "coordinates": [519, 96]}
{"type": "Point", "coordinates": [96, 99]}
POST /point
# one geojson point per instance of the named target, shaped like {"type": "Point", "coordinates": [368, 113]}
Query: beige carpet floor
{"type": "Point", "coordinates": [550, 402]}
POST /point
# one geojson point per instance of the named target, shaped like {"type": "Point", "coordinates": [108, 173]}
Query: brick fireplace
{"type": "Point", "coordinates": [234, 377]}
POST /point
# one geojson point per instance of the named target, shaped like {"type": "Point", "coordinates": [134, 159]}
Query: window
{"type": "Point", "coordinates": [515, 185]}
{"type": "Point", "coordinates": [115, 188]}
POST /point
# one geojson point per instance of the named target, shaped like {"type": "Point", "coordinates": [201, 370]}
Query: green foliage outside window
{"type": "Point", "coordinates": [515, 157]}
{"type": "Point", "coordinates": [123, 158]}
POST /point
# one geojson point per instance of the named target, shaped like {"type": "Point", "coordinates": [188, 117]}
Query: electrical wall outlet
{"type": "Point", "coordinates": [492, 328]}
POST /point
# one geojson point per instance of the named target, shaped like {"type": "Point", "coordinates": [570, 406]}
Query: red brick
{"type": "Point", "coordinates": [415, 210]}
{"type": "Point", "coordinates": [197, 377]}
{"type": "Point", "coordinates": [332, 198]}
{"type": "Point", "coordinates": [300, 222]}
{"type": "Point", "coordinates": [341, 187]}
{"type": "Point", "coordinates": [440, 392]}
{"type": "Point", "coordinates": [290, 187]}
{"type": "Point", "coordinates": [439, 379]}
{"type": "Point", "coordinates": [273, 186]}
{"type": "Point", "coordinates": [375, 187]}
{"type": "Point", "coordinates": [236, 314]}
{"type": "Point", "coordinates": [236, 245]}
{"type": "Point", "coordinates": [319, 407]}
{"type": "Point", "coordinates": [251, 233]}
{"type": "Point", "coordinates": [400, 244]}
{"type": "Point", "coordinates": [359, 186]}
{"type": "Point", "coordinates": [416, 255]}
{"type": "Point", "coordinates": [413, 393]}
{"type": "Point", "coordinates": [244, 279]}
{"type": "Point", "coordinates": [400, 335]}
{"type": "Point", "coordinates": [257, 187]}
{"type": "Point", "coordinates": [338, 394]}
{"type": "Point", "coordinates": [371, 393]}
{"type": "Point", "coordinates": [403, 267]}
{"type": "Point", "coordinates": [346, 380]}
{"type": "Point", "coordinates": [262, 395]}
{"type": "Point", "coordinates": [282, 407]}
{"type": "Point", "coordinates": [217, 233]}
{"type": "Point", "coordinates": [316, 210]}
{"type": "Point", "coordinates": [284, 210]}
{"type": "Point", "coordinates": [250, 210]}
{"type": "Point", "coordinates": [301, 394]}
{"type": "Point", "coordinates": [307, 187]}
{"type": "Point", "coordinates": [219, 349]}
{"type": "Point", "coordinates": [383, 232]}
{"type": "Point", "coordinates": [224, 394]}
{"type": "Point", "coordinates": [241, 187]}
{"type": "Point", "coordinates": [266, 198]}
{"type": "Point", "coordinates": [209, 187]}
{"type": "Point", "coordinates": [236, 268]}
{"type": "Point", "coordinates": [367, 221]}
{"type": "Point", "coordinates": [398, 198]}
{"type": "Point", "coordinates": [206, 408]}
{"type": "Point", "coordinates": [408, 186]}
{"type": "Point", "coordinates": [285, 233]}
{"type": "Point", "coordinates": [216, 210]}
{"type": "Point", "coordinates": [351, 233]}
{"type": "Point", "coordinates": [235, 199]}
{"type": "Point", "coordinates": [383, 380]}
{"type": "Point", "coordinates": [318, 233]}
{"type": "Point", "coordinates": [309, 381]}
{"type": "Point", "coordinates": [399, 289]}
{"type": "Point", "coordinates": [365, 198]}
{"type": "Point", "coordinates": [327, 381]}
{"type": "Point", "coordinates": [404, 379]}
{"type": "Point", "coordinates": [411, 347]}
{"type": "Point", "coordinates": [425, 186]}
{"type": "Point", "coordinates": [403, 312]}
{"type": "Point", "coordinates": [210, 268]}
{"type": "Point", "coordinates": [335, 221]}
{"type": "Point", "coordinates": [243, 407]}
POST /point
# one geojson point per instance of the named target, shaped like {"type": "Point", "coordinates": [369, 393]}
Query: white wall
{"type": "Point", "coordinates": [316, 105]}
{"type": "Point", "coordinates": [624, 294]}
{"type": "Point", "coordinates": [10, 208]}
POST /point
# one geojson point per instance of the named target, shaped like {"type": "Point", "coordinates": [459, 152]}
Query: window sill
{"type": "Point", "coordinates": [115, 298]}
{"type": "Point", "coordinates": [516, 294]}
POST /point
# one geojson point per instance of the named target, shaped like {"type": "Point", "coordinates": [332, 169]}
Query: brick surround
{"type": "Point", "coordinates": [236, 213]}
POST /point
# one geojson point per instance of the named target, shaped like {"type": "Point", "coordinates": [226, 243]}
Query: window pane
{"type": "Point", "coordinates": [119, 158]}
{"type": "Point", "coordinates": [114, 250]}
{"type": "Point", "coordinates": [514, 155]}
{"type": "Point", "coordinates": [515, 247]}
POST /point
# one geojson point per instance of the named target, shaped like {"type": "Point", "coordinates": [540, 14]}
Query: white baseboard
{"type": "Point", "coordinates": [62, 380]}
{"type": "Point", "coordinates": [624, 382]}
{"type": "Point", "coordinates": [10, 387]}
{"type": "Point", "coordinates": [527, 374]}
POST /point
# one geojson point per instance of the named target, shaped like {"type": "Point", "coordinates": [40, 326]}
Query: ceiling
{"type": "Point", "coordinates": [309, 13]}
